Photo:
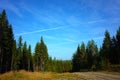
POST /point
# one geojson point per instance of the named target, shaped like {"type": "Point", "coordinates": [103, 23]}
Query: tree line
{"type": "Point", "coordinates": [91, 58]}
{"type": "Point", "coordinates": [43, 62]}
{"type": "Point", "coordinates": [12, 55]}
{"type": "Point", "coordinates": [17, 55]}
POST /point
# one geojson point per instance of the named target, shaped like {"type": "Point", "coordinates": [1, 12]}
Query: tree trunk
{"type": "Point", "coordinates": [28, 64]}
{"type": "Point", "coordinates": [1, 60]}
{"type": "Point", "coordinates": [12, 62]}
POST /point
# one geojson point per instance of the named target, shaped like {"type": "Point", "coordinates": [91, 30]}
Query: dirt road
{"type": "Point", "coordinates": [99, 76]}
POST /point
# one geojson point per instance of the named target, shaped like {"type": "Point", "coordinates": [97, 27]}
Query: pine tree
{"type": "Point", "coordinates": [92, 52]}
{"type": "Point", "coordinates": [43, 55]}
{"type": "Point", "coordinates": [19, 51]}
{"type": "Point", "coordinates": [14, 63]}
{"type": "Point", "coordinates": [106, 47]}
{"type": "Point", "coordinates": [6, 42]}
{"type": "Point", "coordinates": [37, 57]}
{"type": "Point", "coordinates": [25, 57]}
{"type": "Point", "coordinates": [76, 61]}
{"type": "Point", "coordinates": [118, 46]}
{"type": "Point", "coordinates": [1, 52]}
{"type": "Point", "coordinates": [113, 51]}
{"type": "Point", "coordinates": [30, 61]}
{"type": "Point", "coordinates": [11, 46]}
{"type": "Point", "coordinates": [84, 56]}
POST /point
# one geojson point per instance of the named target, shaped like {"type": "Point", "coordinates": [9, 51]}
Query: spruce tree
{"type": "Point", "coordinates": [14, 63]}
{"type": "Point", "coordinates": [92, 52]}
{"type": "Point", "coordinates": [84, 56]}
{"type": "Point", "coordinates": [43, 55]}
{"type": "Point", "coordinates": [6, 43]}
{"type": "Point", "coordinates": [76, 61]}
{"type": "Point", "coordinates": [1, 52]}
{"type": "Point", "coordinates": [11, 46]}
{"type": "Point", "coordinates": [25, 57]}
{"type": "Point", "coordinates": [106, 47]}
{"type": "Point", "coordinates": [113, 51]}
{"type": "Point", "coordinates": [20, 54]}
{"type": "Point", "coordinates": [37, 57]}
{"type": "Point", "coordinates": [118, 46]}
{"type": "Point", "coordinates": [30, 60]}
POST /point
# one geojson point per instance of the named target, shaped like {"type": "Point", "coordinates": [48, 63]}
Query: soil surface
{"type": "Point", "coordinates": [99, 76]}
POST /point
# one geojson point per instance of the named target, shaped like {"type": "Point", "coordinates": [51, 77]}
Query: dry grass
{"type": "Point", "coordinates": [23, 75]}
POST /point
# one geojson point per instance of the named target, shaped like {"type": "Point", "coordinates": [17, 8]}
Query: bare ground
{"type": "Point", "coordinates": [99, 76]}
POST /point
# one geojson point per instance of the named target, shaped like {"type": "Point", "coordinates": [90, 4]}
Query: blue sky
{"type": "Point", "coordinates": [63, 23]}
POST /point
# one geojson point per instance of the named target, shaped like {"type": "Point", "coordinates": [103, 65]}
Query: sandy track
{"type": "Point", "coordinates": [99, 76]}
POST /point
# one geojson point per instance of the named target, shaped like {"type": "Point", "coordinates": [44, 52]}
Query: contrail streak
{"type": "Point", "coordinates": [42, 30]}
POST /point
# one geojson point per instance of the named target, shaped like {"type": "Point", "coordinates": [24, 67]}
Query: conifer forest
{"type": "Point", "coordinates": [16, 55]}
